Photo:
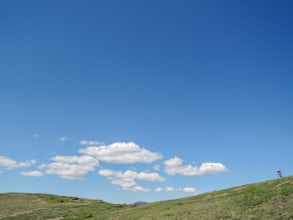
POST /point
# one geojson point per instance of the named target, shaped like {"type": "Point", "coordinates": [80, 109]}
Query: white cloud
{"type": "Point", "coordinates": [159, 189]}
{"type": "Point", "coordinates": [174, 166]}
{"type": "Point", "coordinates": [187, 190]}
{"type": "Point", "coordinates": [83, 160]}
{"type": "Point", "coordinates": [121, 153]}
{"type": "Point", "coordinates": [129, 174]}
{"type": "Point", "coordinates": [171, 189]}
{"type": "Point", "coordinates": [63, 139]}
{"type": "Point", "coordinates": [212, 168]}
{"type": "Point", "coordinates": [174, 162]}
{"type": "Point", "coordinates": [154, 177]}
{"type": "Point", "coordinates": [9, 164]}
{"type": "Point", "coordinates": [70, 167]}
{"type": "Point", "coordinates": [127, 179]}
{"type": "Point", "coordinates": [91, 143]}
{"type": "Point", "coordinates": [124, 183]}
{"type": "Point", "coordinates": [138, 189]}
{"type": "Point", "coordinates": [109, 173]}
{"type": "Point", "coordinates": [129, 185]}
{"type": "Point", "coordinates": [32, 173]}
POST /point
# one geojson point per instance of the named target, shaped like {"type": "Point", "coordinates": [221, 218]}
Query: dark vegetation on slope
{"type": "Point", "coordinates": [265, 200]}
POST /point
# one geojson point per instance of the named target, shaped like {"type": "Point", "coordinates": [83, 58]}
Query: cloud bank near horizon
{"type": "Point", "coordinates": [75, 167]}
{"type": "Point", "coordinates": [127, 179]}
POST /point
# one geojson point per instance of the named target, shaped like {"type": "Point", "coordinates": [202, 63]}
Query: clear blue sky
{"type": "Point", "coordinates": [144, 100]}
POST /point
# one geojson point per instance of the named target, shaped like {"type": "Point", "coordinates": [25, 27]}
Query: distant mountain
{"type": "Point", "coordinates": [139, 203]}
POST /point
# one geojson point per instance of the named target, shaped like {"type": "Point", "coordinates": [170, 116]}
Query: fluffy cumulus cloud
{"type": "Point", "coordinates": [174, 166]}
{"type": "Point", "coordinates": [126, 180]}
{"type": "Point", "coordinates": [32, 173]}
{"type": "Point", "coordinates": [93, 152]}
{"type": "Point", "coordinates": [159, 189]}
{"type": "Point", "coordinates": [10, 164]}
{"type": "Point", "coordinates": [70, 167]}
{"type": "Point", "coordinates": [121, 153]}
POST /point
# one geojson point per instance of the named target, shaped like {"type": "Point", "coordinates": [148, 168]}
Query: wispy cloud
{"type": "Point", "coordinates": [70, 167]}
{"type": "Point", "coordinates": [121, 153]}
{"type": "Point", "coordinates": [63, 139]}
{"type": "Point", "coordinates": [91, 143]}
{"type": "Point", "coordinates": [127, 179]}
{"type": "Point", "coordinates": [187, 190]}
{"type": "Point", "coordinates": [171, 189]}
{"type": "Point", "coordinates": [9, 164]}
{"type": "Point", "coordinates": [174, 166]}
{"type": "Point", "coordinates": [32, 173]}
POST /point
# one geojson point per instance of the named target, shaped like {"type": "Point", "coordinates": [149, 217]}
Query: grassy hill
{"type": "Point", "coordinates": [265, 200]}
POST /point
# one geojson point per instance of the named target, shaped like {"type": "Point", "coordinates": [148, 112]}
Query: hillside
{"type": "Point", "coordinates": [265, 200]}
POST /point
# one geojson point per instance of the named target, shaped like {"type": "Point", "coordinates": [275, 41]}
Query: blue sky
{"type": "Point", "coordinates": [144, 100]}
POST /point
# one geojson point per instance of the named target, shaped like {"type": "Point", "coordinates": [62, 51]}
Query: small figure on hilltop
{"type": "Point", "coordinates": [279, 173]}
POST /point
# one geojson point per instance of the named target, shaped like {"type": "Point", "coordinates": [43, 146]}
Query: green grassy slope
{"type": "Point", "coordinates": [42, 206]}
{"type": "Point", "coordinates": [265, 200]}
